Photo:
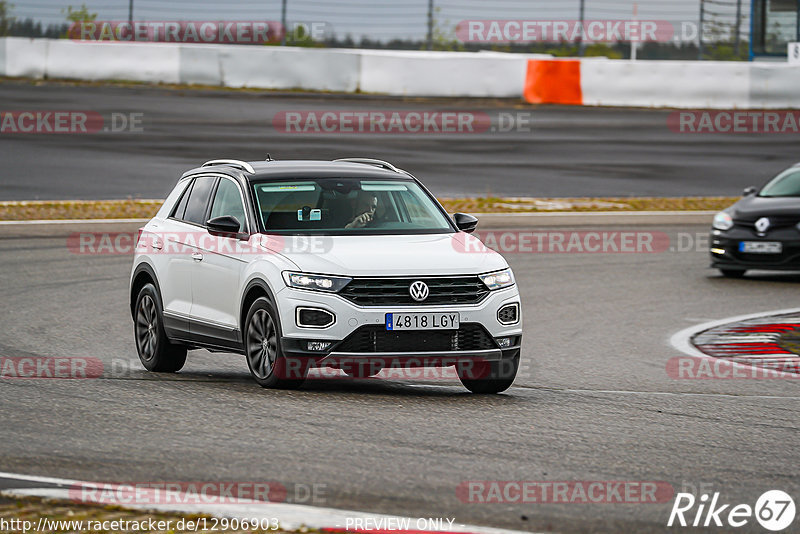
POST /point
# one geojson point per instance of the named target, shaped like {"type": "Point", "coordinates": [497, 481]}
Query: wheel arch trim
{"type": "Point", "coordinates": [147, 269]}
{"type": "Point", "coordinates": [254, 283]}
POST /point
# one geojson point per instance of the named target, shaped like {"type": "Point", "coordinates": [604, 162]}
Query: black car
{"type": "Point", "coordinates": [762, 230]}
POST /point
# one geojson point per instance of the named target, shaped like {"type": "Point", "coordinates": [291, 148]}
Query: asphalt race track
{"type": "Point", "coordinates": [592, 402]}
{"type": "Point", "coordinates": [567, 151]}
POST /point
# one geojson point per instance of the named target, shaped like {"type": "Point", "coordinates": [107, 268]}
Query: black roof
{"type": "Point", "coordinates": [303, 169]}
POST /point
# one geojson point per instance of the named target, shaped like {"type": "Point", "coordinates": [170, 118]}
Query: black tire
{"type": "Point", "coordinates": [265, 359]}
{"type": "Point", "coordinates": [156, 352]}
{"type": "Point", "coordinates": [732, 273]}
{"type": "Point", "coordinates": [489, 377]}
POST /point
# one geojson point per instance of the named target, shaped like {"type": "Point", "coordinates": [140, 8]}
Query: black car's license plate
{"type": "Point", "coordinates": [761, 247]}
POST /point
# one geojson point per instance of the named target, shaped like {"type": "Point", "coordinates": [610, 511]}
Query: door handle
{"type": "Point", "coordinates": [196, 256]}
{"type": "Point", "coordinates": [157, 243]}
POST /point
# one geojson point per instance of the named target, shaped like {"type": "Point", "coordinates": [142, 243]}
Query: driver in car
{"type": "Point", "coordinates": [365, 206]}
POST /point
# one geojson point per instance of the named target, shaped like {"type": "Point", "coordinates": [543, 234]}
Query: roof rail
{"type": "Point", "coordinates": [375, 162]}
{"type": "Point", "coordinates": [235, 163]}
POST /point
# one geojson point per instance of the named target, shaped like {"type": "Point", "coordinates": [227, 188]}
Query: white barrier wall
{"type": "Point", "coordinates": [25, 57]}
{"type": "Point", "coordinates": [289, 68]}
{"type": "Point", "coordinates": [603, 82]}
{"type": "Point", "coordinates": [269, 67]}
{"type": "Point", "coordinates": [443, 74]}
{"type": "Point", "coordinates": [774, 85]}
{"type": "Point", "coordinates": [140, 62]}
{"type": "Point", "coordinates": [681, 84]}
{"type": "Point", "coordinates": [199, 65]}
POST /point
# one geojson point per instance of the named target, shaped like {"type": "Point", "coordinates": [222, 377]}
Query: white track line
{"type": "Point", "coordinates": [289, 516]}
{"type": "Point", "coordinates": [682, 340]}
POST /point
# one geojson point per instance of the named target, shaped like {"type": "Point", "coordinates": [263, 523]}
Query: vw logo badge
{"type": "Point", "coordinates": [762, 225]}
{"type": "Point", "coordinates": [419, 291]}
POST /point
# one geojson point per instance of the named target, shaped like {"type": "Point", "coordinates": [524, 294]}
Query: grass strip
{"type": "Point", "coordinates": [144, 209]}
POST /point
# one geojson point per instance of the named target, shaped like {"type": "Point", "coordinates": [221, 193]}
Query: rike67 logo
{"type": "Point", "coordinates": [774, 511]}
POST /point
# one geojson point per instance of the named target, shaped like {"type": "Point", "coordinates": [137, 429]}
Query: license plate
{"type": "Point", "coordinates": [422, 321]}
{"type": "Point", "coordinates": [761, 247]}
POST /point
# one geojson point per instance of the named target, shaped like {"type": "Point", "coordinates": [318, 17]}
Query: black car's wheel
{"type": "Point", "coordinates": [156, 353]}
{"type": "Point", "coordinates": [262, 346]}
{"type": "Point", "coordinates": [488, 377]}
{"type": "Point", "coordinates": [732, 273]}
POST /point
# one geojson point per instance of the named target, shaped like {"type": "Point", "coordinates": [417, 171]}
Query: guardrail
{"type": "Point", "coordinates": [397, 73]}
{"type": "Point", "coordinates": [676, 84]}
{"type": "Point", "coordinates": [536, 78]}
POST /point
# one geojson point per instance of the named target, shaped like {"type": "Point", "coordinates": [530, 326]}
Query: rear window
{"type": "Point", "coordinates": [180, 208]}
{"type": "Point", "coordinates": [197, 205]}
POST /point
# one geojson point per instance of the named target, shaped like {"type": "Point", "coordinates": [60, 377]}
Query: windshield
{"type": "Point", "coordinates": [348, 206]}
{"type": "Point", "coordinates": [786, 184]}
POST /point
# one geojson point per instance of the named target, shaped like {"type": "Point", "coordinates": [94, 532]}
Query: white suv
{"type": "Point", "coordinates": [350, 264]}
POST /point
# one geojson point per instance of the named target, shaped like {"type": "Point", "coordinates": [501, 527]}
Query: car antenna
{"type": "Point", "coordinates": [269, 158]}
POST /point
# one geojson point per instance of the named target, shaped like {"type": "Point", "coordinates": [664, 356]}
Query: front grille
{"type": "Point", "coordinates": [789, 253]}
{"type": "Point", "coordinates": [395, 291]}
{"type": "Point", "coordinates": [375, 338]}
{"type": "Point", "coordinates": [775, 222]}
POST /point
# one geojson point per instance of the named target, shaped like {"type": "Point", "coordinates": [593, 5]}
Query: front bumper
{"type": "Point", "coordinates": [479, 319]}
{"type": "Point", "coordinates": [725, 252]}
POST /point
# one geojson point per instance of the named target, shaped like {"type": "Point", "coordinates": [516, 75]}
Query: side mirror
{"type": "Point", "coordinates": [749, 191]}
{"type": "Point", "coordinates": [465, 223]}
{"type": "Point", "coordinates": [225, 224]}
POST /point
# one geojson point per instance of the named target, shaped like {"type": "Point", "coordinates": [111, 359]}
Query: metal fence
{"type": "Point", "coordinates": [418, 23]}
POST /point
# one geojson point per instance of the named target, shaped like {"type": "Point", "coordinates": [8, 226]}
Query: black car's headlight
{"type": "Point", "coordinates": [723, 221]}
{"type": "Point", "coordinates": [498, 279]}
{"type": "Point", "coordinates": [316, 282]}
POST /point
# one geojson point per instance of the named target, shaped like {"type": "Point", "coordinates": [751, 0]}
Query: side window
{"type": "Point", "coordinates": [180, 207]}
{"type": "Point", "coordinates": [228, 201]}
{"type": "Point", "coordinates": [198, 200]}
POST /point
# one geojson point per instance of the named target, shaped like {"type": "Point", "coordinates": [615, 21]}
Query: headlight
{"type": "Point", "coordinates": [316, 282]}
{"type": "Point", "coordinates": [498, 280]}
{"type": "Point", "coordinates": [722, 221]}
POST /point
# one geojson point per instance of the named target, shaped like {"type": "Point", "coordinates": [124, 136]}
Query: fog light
{"type": "Point", "coordinates": [319, 346]}
{"type": "Point", "coordinates": [314, 318]}
{"type": "Point", "coordinates": [508, 314]}
{"type": "Point", "coordinates": [504, 342]}
{"type": "Point", "coordinates": [718, 251]}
